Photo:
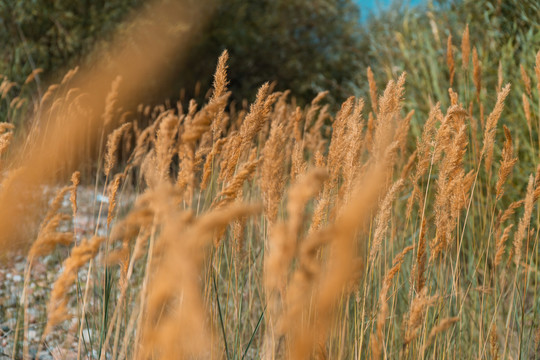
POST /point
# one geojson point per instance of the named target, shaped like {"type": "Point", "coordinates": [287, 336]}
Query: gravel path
{"type": "Point", "coordinates": [45, 271]}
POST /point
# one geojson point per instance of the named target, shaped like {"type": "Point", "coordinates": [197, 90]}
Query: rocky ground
{"type": "Point", "coordinates": [44, 272]}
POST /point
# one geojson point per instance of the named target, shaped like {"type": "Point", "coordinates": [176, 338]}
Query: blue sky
{"type": "Point", "coordinates": [367, 6]}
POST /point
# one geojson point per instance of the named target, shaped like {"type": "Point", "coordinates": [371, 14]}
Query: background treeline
{"type": "Point", "coordinates": [304, 46]}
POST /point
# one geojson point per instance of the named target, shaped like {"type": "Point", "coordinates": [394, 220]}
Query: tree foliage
{"type": "Point", "coordinates": [54, 34]}
{"type": "Point", "coordinates": [303, 45]}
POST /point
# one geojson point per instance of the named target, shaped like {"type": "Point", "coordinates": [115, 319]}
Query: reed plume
{"type": "Point", "coordinates": [465, 48]}
{"type": "Point", "coordinates": [421, 259]}
{"type": "Point", "coordinates": [501, 244]}
{"type": "Point", "coordinates": [273, 171]}
{"type": "Point", "coordinates": [537, 70]}
{"type": "Point", "coordinates": [57, 306]}
{"type": "Point", "coordinates": [183, 332]}
{"type": "Point", "coordinates": [507, 163]}
{"type": "Point", "coordinates": [75, 181]}
{"type": "Point", "coordinates": [113, 141]}
{"type": "Point", "coordinates": [376, 342]}
{"type": "Point", "coordinates": [477, 74]}
{"type": "Point", "coordinates": [450, 59]}
{"type": "Point", "coordinates": [220, 89]}
{"type": "Point", "coordinates": [526, 79]}
{"type": "Point", "coordinates": [491, 123]}
{"type": "Point", "coordinates": [443, 325]}
{"type": "Point", "coordinates": [110, 100]}
{"type": "Point", "coordinates": [523, 225]}
{"type": "Point", "coordinates": [382, 219]}
{"type": "Point", "coordinates": [527, 111]}
{"type": "Point", "coordinates": [417, 313]}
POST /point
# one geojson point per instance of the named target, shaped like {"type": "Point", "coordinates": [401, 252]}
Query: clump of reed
{"type": "Point", "coordinates": [280, 231]}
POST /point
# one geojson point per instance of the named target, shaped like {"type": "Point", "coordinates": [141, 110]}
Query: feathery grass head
{"type": "Point", "coordinates": [491, 123]}
{"type": "Point", "coordinates": [450, 59]}
{"type": "Point", "coordinates": [113, 141]}
{"type": "Point", "coordinates": [465, 48]}
{"type": "Point", "coordinates": [57, 306]}
{"type": "Point", "coordinates": [507, 163]}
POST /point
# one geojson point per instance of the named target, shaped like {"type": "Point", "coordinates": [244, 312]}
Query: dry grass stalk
{"type": "Point", "coordinates": [310, 114]}
{"type": "Point", "coordinates": [507, 163]}
{"type": "Point", "coordinates": [312, 270]}
{"type": "Point", "coordinates": [537, 70]}
{"type": "Point", "coordinates": [416, 314]}
{"type": "Point", "coordinates": [338, 143]}
{"type": "Point", "coordinates": [176, 320]}
{"type": "Point", "coordinates": [390, 105]}
{"type": "Point", "coordinates": [57, 306]}
{"type": "Point", "coordinates": [501, 245]}
{"type": "Point", "coordinates": [56, 204]}
{"type": "Point", "coordinates": [450, 59]}
{"type": "Point", "coordinates": [209, 163]}
{"type": "Point", "coordinates": [491, 124]}
{"type": "Point", "coordinates": [144, 138]}
{"type": "Point", "coordinates": [493, 342]}
{"type": "Point", "coordinates": [110, 101]}
{"type": "Point", "coordinates": [368, 139]}
{"type": "Point", "coordinates": [409, 165]}
{"type": "Point", "coordinates": [524, 222]}
{"type": "Point", "coordinates": [298, 164]}
{"type": "Point", "coordinates": [75, 181]}
{"type": "Point", "coordinates": [6, 86]}
{"type": "Point", "coordinates": [402, 131]}
{"type": "Point", "coordinates": [424, 154]}
{"type": "Point", "coordinates": [304, 189]}
{"type": "Point", "coordinates": [499, 77]}
{"type": "Point", "coordinates": [113, 190]}
{"type": "Point", "coordinates": [537, 336]}
{"type": "Point", "coordinates": [503, 216]}
{"type": "Point", "coordinates": [372, 90]}
{"type": "Point", "coordinates": [32, 76]}
{"type": "Point", "coordinates": [321, 211]}
{"type": "Point", "coordinates": [70, 75]}
{"type": "Point", "coordinates": [53, 149]}
{"type": "Point", "coordinates": [233, 188]}
{"type": "Point", "coordinates": [48, 94]}
{"type": "Point", "coordinates": [527, 111]}
{"type": "Point", "coordinates": [220, 89]}
{"type": "Point", "coordinates": [313, 139]}
{"type": "Point", "coordinates": [477, 74]}
{"type": "Point", "coordinates": [165, 144]}
{"type": "Point", "coordinates": [526, 79]}
{"type": "Point", "coordinates": [465, 48]}
{"type": "Point", "coordinates": [343, 262]}
{"type": "Point", "coordinates": [282, 248]}
{"type": "Point", "coordinates": [452, 182]}
{"type": "Point", "coordinates": [5, 141]}
{"type": "Point", "coordinates": [273, 171]}
{"type": "Point", "coordinates": [48, 238]}
{"type": "Point", "coordinates": [377, 340]}
{"type": "Point", "coordinates": [382, 219]}
{"type": "Point", "coordinates": [252, 124]}
{"type": "Point", "coordinates": [353, 151]}
{"type": "Point", "coordinates": [421, 259]}
{"type": "Point", "coordinates": [443, 325]}
{"type": "Point", "coordinates": [113, 141]}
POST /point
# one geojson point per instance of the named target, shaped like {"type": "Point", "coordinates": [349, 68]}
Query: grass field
{"type": "Point", "coordinates": [268, 230]}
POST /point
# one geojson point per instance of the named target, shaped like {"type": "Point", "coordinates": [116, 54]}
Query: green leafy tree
{"type": "Point", "coordinates": [303, 45]}
{"type": "Point", "coordinates": [54, 34]}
